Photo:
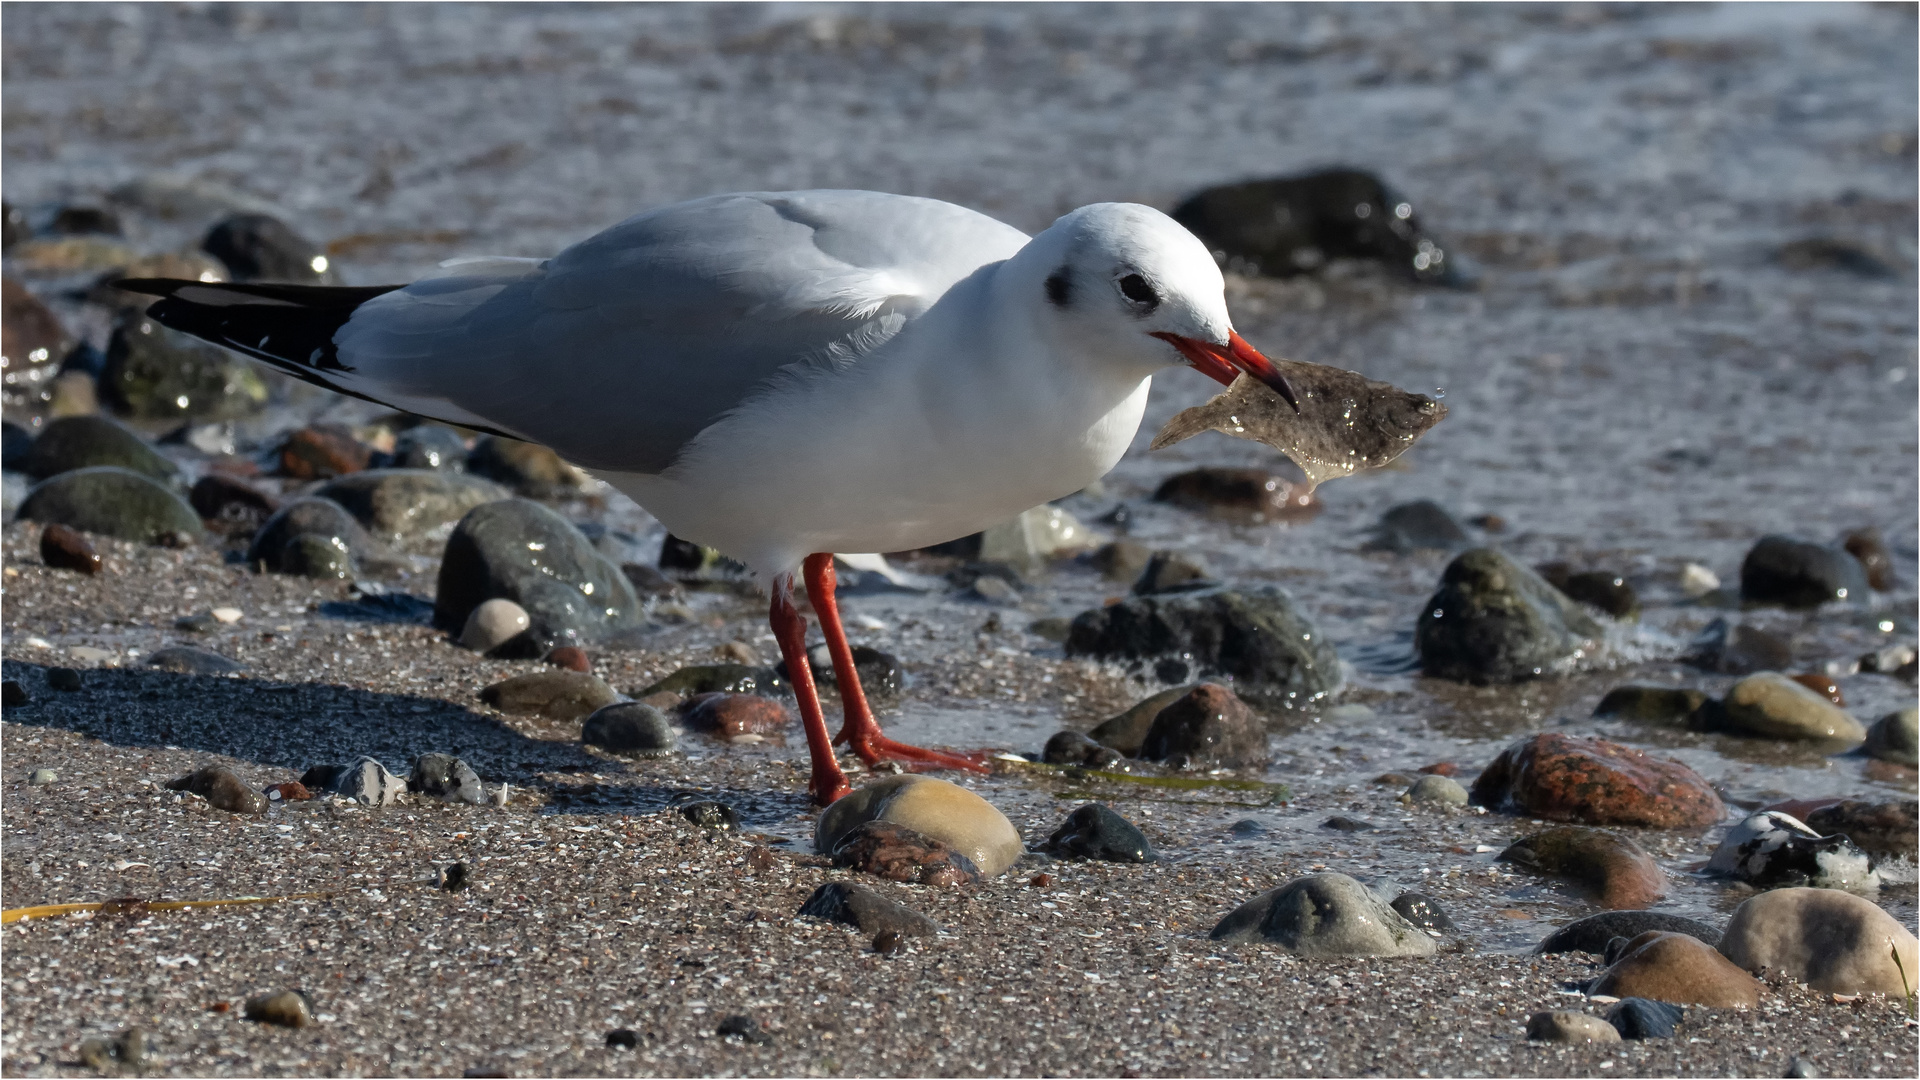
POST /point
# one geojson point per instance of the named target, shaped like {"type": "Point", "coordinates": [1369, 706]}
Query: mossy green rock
{"type": "Point", "coordinates": [1496, 621]}
{"type": "Point", "coordinates": [154, 373]}
{"type": "Point", "coordinates": [721, 679]}
{"type": "Point", "coordinates": [1773, 706]}
{"type": "Point", "coordinates": [78, 442]}
{"type": "Point", "coordinates": [402, 504]}
{"type": "Point", "coordinates": [111, 501]}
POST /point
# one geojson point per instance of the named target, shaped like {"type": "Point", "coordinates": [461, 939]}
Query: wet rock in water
{"type": "Point", "coordinates": [1325, 915]}
{"type": "Point", "coordinates": [1570, 1027]}
{"type": "Point", "coordinates": [428, 446]}
{"type": "Point", "coordinates": [709, 814]}
{"type": "Point", "coordinates": [188, 660]}
{"type": "Point", "coordinates": [1642, 1018]}
{"type": "Point", "coordinates": [493, 624]}
{"type": "Point", "coordinates": [259, 247]}
{"type": "Point", "coordinates": [1822, 685]}
{"type": "Point", "coordinates": [1833, 941]}
{"type": "Point", "coordinates": [693, 561]}
{"type": "Point", "coordinates": [1272, 652]}
{"type": "Point", "coordinates": [865, 910]}
{"type": "Point", "coordinates": [942, 811]}
{"type": "Point", "coordinates": [721, 679]}
{"type": "Point", "coordinates": [1791, 573]}
{"type": "Point", "coordinates": [568, 657]}
{"type": "Point", "coordinates": [1591, 934]}
{"type": "Point", "coordinates": [528, 469]}
{"type": "Point", "coordinates": [1168, 572]}
{"type": "Point", "coordinates": [223, 790]}
{"type": "Point", "coordinates": [630, 727]}
{"type": "Point", "coordinates": [322, 452]}
{"type": "Point", "coordinates": [1248, 828]}
{"type": "Point", "coordinates": [1121, 560]}
{"type": "Point", "coordinates": [1898, 660]}
{"type": "Point", "coordinates": [1033, 538]}
{"type": "Point", "coordinates": [745, 1028]}
{"type": "Point", "coordinates": [1291, 225]}
{"type": "Point", "coordinates": [1127, 733]}
{"type": "Point", "coordinates": [1676, 968]}
{"type": "Point", "coordinates": [1422, 525]}
{"type": "Point", "coordinates": [1073, 748]}
{"type": "Point", "coordinates": [1209, 727]}
{"type": "Point", "coordinates": [1771, 848]}
{"type": "Point", "coordinates": [77, 442]}
{"type": "Point", "coordinates": [1827, 253]}
{"type": "Point", "coordinates": [1437, 791]}
{"type": "Point", "coordinates": [231, 505]}
{"type": "Point", "coordinates": [1596, 588]}
{"type": "Point", "coordinates": [623, 1039]}
{"type": "Point", "coordinates": [1094, 831]}
{"type": "Point", "coordinates": [1869, 546]}
{"type": "Point", "coordinates": [33, 342]}
{"type": "Point", "coordinates": [649, 582]}
{"type": "Point", "coordinates": [1339, 823]}
{"type": "Point", "coordinates": [1422, 911]}
{"type": "Point", "coordinates": [409, 504]}
{"type": "Point", "coordinates": [66, 549]}
{"type": "Point", "coordinates": [898, 853]}
{"type": "Point", "coordinates": [1655, 704]}
{"type": "Point", "coordinates": [115, 502]}
{"type": "Point", "coordinates": [366, 782]}
{"type": "Point", "coordinates": [1889, 828]}
{"type": "Point", "coordinates": [63, 679]}
{"type": "Point", "coordinates": [1596, 782]}
{"type": "Point", "coordinates": [1617, 871]}
{"type": "Point", "coordinates": [521, 551]}
{"type": "Point", "coordinates": [736, 717]}
{"type": "Point", "coordinates": [1896, 737]}
{"type": "Point", "coordinates": [16, 443]}
{"type": "Point", "coordinates": [1737, 649]}
{"type": "Point", "coordinates": [881, 674]}
{"type": "Point", "coordinates": [1253, 495]}
{"type": "Point", "coordinates": [1495, 621]}
{"type": "Point", "coordinates": [446, 778]}
{"type": "Point", "coordinates": [552, 695]}
{"type": "Point", "coordinates": [154, 373]}
{"type": "Point", "coordinates": [12, 694]}
{"type": "Point", "coordinates": [288, 1008]}
{"type": "Point", "coordinates": [1773, 706]}
{"type": "Point", "coordinates": [330, 527]}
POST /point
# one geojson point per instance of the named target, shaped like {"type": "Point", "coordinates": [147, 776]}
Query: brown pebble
{"type": "Point", "coordinates": [1870, 547]}
{"type": "Point", "coordinates": [231, 505]}
{"type": "Point", "coordinates": [1040, 881]}
{"type": "Point", "coordinates": [898, 853]}
{"type": "Point", "coordinates": [220, 1006]}
{"type": "Point", "coordinates": [64, 548]}
{"type": "Point", "coordinates": [760, 859]}
{"type": "Point", "coordinates": [223, 790]}
{"type": "Point", "coordinates": [291, 791]}
{"type": "Point", "coordinates": [322, 451]}
{"type": "Point", "coordinates": [1492, 523]}
{"type": "Point", "coordinates": [288, 1008]}
{"type": "Point", "coordinates": [1440, 768]}
{"type": "Point", "coordinates": [1822, 685]}
{"type": "Point", "coordinates": [728, 716]}
{"type": "Point", "coordinates": [1676, 968]}
{"type": "Point", "coordinates": [571, 657]}
{"type": "Point", "coordinates": [887, 942]}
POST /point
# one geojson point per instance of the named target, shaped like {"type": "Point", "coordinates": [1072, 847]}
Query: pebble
{"type": "Point", "coordinates": [222, 788]}
{"type": "Point", "coordinates": [1834, 941]}
{"type": "Point", "coordinates": [1422, 911]}
{"type": "Point", "coordinates": [1208, 728]}
{"type": "Point", "coordinates": [128, 1050]}
{"type": "Point", "coordinates": [1869, 546]}
{"type": "Point", "coordinates": [1596, 782]}
{"type": "Point", "coordinates": [527, 469]}
{"type": "Point", "coordinates": [1800, 1068]}
{"type": "Point", "coordinates": [1895, 737]}
{"type": "Point", "coordinates": [1615, 869]}
{"type": "Point", "coordinates": [522, 551]}
{"type": "Point", "coordinates": [405, 505]}
{"type": "Point", "coordinates": [942, 811]}
{"type": "Point", "coordinates": [112, 501]}
{"type": "Point", "coordinates": [33, 342]}
{"type": "Point", "coordinates": [64, 679]}
{"type": "Point", "coordinates": [64, 548]}
{"type": "Point", "coordinates": [278, 546]}
{"type": "Point", "coordinates": [1596, 588]}
{"type": "Point", "coordinates": [1127, 733]}
{"type": "Point", "coordinates": [1771, 848]}
{"type": "Point", "coordinates": [1738, 649]}
{"type": "Point", "coordinates": [1121, 560]}
{"type": "Point", "coordinates": [709, 814]}
{"type": "Point", "coordinates": [898, 853]}
{"type": "Point", "coordinates": [153, 373]}
{"type": "Point", "coordinates": [311, 555]}
{"type": "Point", "coordinates": [492, 624]}
{"type": "Point", "coordinates": [1496, 621]}
{"type": "Point", "coordinates": [720, 679]}
{"type": "Point", "coordinates": [993, 590]}
{"type": "Point", "coordinates": [1697, 581]}
{"type": "Point", "coordinates": [1679, 969]}
{"type": "Point", "coordinates": [745, 1028]}
{"type": "Point", "coordinates": [1250, 495]}
{"type": "Point", "coordinates": [448, 779]}
{"type": "Point", "coordinates": [260, 247]}
{"type": "Point", "coordinates": [1643, 1018]}
{"type": "Point", "coordinates": [1347, 824]}
{"type": "Point", "coordinates": [1888, 828]}
{"type": "Point", "coordinates": [1096, 832]}
{"type": "Point", "coordinates": [39, 777]}
{"type": "Point", "coordinates": [79, 442]}
{"type": "Point", "coordinates": [1655, 704]}
{"type": "Point", "coordinates": [1824, 686]}
{"type": "Point", "coordinates": [1325, 915]}
{"type": "Point", "coordinates": [866, 911]}
{"type": "Point", "coordinates": [733, 717]}
{"type": "Point", "coordinates": [552, 695]}
{"type": "Point", "coordinates": [230, 505]}
{"type": "Point", "coordinates": [1437, 791]}
{"type": "Point", "coordinates": [322, 452]}
{"type": "Point", "coordinates": [1591, 934]}
{"type": "Point", "coordinates": [566, 657]}
{"type": "Point", "coordinates": [1169, 572]}
{"type": "Point", "coordinates": [428, 446]}
{"type": "Point", "coordinates": [1418, 526]}
{"type": "Point", "coordinates": [1897, 660]}
{"type": "Point", "coordinates": [454, 877]}
{"type": "Point", "coordinates": [1773, 706]}
{"type": "Point", "coordinates": [1277, 659]}
{"type": "Point", "coordinates": [623, 1039]}
{"type": "Point", "coordinates": [1074, 748]}
{"type": "Point", "coordinates": [1785, 572]}
{"type": "Point", "coordinates": [630, 727]}
{"type": "Point", "coordinates": [1570, 1027]}
{"type": "Point", "coordinates": [366, 782]}
{"type": "Point", "coordinates": [189, 660]}
{"type": "Point", "coordinates": [288, 1008]}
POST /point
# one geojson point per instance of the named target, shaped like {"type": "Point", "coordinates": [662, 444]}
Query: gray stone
{"type": "Point", "coordinates": [1418, 526]}
{"type": "Point", "coordinates": [40, 777]}
{"type": "Point", "coordinates": [429, 446]}
{"type": "Point", "coordinates": [1127, 733]}
{"type": "Point", "coordinates": [1437, 790]}
{"type": "Point", "coordinates": [1791, 573]}
{"type": "Point", "coordinates": [1570, 1027]}
{"type": "Point", "coordinates": [1422, 911]}
{"type": "Point", "coordinates": [112, 501]}
{"type": "Point", "coordinates": [448, 779]}
{"type": "Point", "coordinates": [261, 247]}
{"type": "Point", "coordinates": [1738, 649]}
{"type": "Point", "coordinates": [521, 551]}
{"type": "Point", "coordinates": [1325, 915]}
{"type": "Point", "coordinates": [401, 505]}
{"type": "Point", "coordinates": [77, 442]}
{"type": "Point", "coordinates": [628, 727]}
{"type": "Point", "coordinates": [1096, 832]}
{"type": "Point", "coordinates": [1654, 704]}
{"type": "Point", "coordinates": [188, 660]}
{"type": "Point", "coordinates": [314, 556]}
{"type": "Point", "coordinates": [1641, 1018]}
{"type": "Point", "coordinates": [334, 533]}
{"type": "Point", "coordinates": [1169, 572]}
{"type": "Point", "coordinates": [865, 910]}
{"type": "Point", "coordinates": [1495, 621]}
{"type": "Point", "coordinates": [493, 624]}
{"type": "Point", "coordinates": [554, 695]}
{"type": "Point", "coordinates": [1895, 737]}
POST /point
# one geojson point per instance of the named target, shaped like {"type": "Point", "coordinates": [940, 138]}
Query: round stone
{"type": "Point", "coordinates": [1570, 1027]}
{"type": "Point", "coordinates": [937, 809]}
{"type": "Point", "coordinates": [1772, 705]}
{"type": "Point", "coordinates": [1833, 941]}
{"type": "Point", "coordinates": [1438, 791]}
{"type": "Point", "coordinates": [494, 623]}
{"type": "Point", "coordinates": [1325, 915]}
{"type": "Point", "coordinates": [1679, 969]}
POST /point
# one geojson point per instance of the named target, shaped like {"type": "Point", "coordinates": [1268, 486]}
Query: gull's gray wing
{"type": "Point", "coordinates": [620, 349]}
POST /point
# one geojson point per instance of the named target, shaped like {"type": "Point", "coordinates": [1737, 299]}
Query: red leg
{"type": "Point", "coordinates": [861, 732]}
{"type": "Point", "coordinates": [790, 630]}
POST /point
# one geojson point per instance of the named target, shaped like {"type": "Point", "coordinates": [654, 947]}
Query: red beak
{"type": "Point", "coordinates": [1219, 362]}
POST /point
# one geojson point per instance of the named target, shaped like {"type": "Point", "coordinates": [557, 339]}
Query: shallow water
{"type": "Point", "coordinates": [1637, 383]}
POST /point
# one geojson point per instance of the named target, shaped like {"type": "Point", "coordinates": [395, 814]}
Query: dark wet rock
{"type": "Point", "coordinates": [446, 778]}
{"type": "Point", "coordinates": [1834, 941]}
{"type": "Point", "coordinates": [259, 247]}
{"type": "Point", "coordinates": [898, 853]}
{"type": "Point", "coordinates": [736, 717]}
{"type": "Point", "coordinates": [629, 727]}
{"type": "Point", "coordinates": [1655, 704]}
{"type": "Point", "coordinates": [649, 582]}
{"type": "Point", "coordinates": [454, 878]}
{"type": "Point", "coordinates": [1591, 934]}
{"type": "Point", "coordinates": [1895, 737]}
{"type": "Point", "coordinates": [528, 469]}
{"type": "Point", "coordinates": [1642, 1018]}
{"type": "Point", "coordinates": [64, 679]}
{"type": "Point", "coordinates": [520, 550]}
{"type": "Point", "coordinates": [1738, 649]}
{"type": "Point", "coordinates": [80, 219]}
{"type": "Point", "coordinates": [888, 943]}
{"type": "Point", "coordinates": [1576, 1028]}
{"type": "Point", "coordinates": [1437, 791]}
{"type": "Point", "coordinates": [188, 660]}
{"type": "Point", "coordinates": [881, 674]}
{"type": "Point", "coordinates": [1096, 832]}
{"type": "Point", "coordinates": [222, 788]}
{"type": "Point", "coordinates": [1828, 253]}
{"type": "Point", "coordinates": [1676, 968]}
{"type": "Point", "coordinates": [428, 446]}
{"type": "Point", "coordinates": [1785, 572]}
{"type": "Point", "coordinates": [66, 549]}
{"type": "Point", "coordinates": [1612, 868]}
{"type": "Point", "coordinates": [1247, 828]}
{"type": "Point", "coordinates": [1596, 588]}
{"type": "Point", "coordinates": [865, 910]}
{"type": "Point", "coordinates": [1495, 621]}
{"type": "Point", "coordinates": [409, 504]}
{"type": "Point", "coordinates": [230, 505]}
{"type": "Point", "coordinates": [623, 1039]}
{"type": "Point", "coordinates": [288, 1008]}
{"type": "Point", "coordinates": [1869, 546]}
{"type": "Point", "coordinates": [322, 452]}
{"type": "Point", "coordinates": [1291, 225]}
{"type": "Point", "coordinates": [33, 343]}
{"type": "Point", "coordinates": [567, 657]}
{"type": "Point", "coordinates": [691, 560]}
{"type": "Point", "coordinates": [77, 442]}
{"type": "Point", "coordinates": [709, 814]}
{"type": "Point", "coordinates": [1888, 828]}
{"type": "Point", "coordinates": [1422, 525]}
{"type": "Point", "coordinates": [721, 679]}
{"type": "Point", "coordinates": [1771, 705]}
{"type": "Point", "coordinates": [1596, 782]}
{"type": "Point", "coordinates": [744, 1028]}
{"type": "Point", "coordinates": [1121, 560]}
{"type": "Point", "coordinates": [1341, 823]}
{"type": "Point", "coordinates": [1422, 911]}
{"type": "Point", "coordinates": [322, 519]}
{"type": "Point", "coordinates": [1209, 727]}
{"type": "Point", "coordinates": [1127, 733]}
{"type": "Point", "coordinates": [366, 781]}
{"type": "Point", "coordinates": [1799, 1068]}
{"type": "Point", "coordinates": [13, 225]}
{"type": "Point", "coordinates": [16, 443]}
{"type": "Point", "coordinates": [1898, 660]}
{"type": "Point", "coordinates": [1770, 849]}
{"type": "Point", "coordinates": [1253, 495]}
{"type": "Point", "coordinates": [1325, 915]}
{"type": "Point", "coordinates": [1168, 572]}
{"type": "Point", "coordinates": [1271, 651]}
{"type": "Point", "coordinates": [1073, 748]}
{"type": "Point", "coordinates": [315, 556]}
{"type": "Point", "coordinates": [13, 695]}
{"type": "Point", "coordinates": [154, 373]}
{"type": "Point", "coordinates": [115, 502]}
{"type": "Point", "coordinates": [553, 695]}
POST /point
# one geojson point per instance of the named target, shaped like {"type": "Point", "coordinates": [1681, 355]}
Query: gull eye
{"type": "Point", "coordinates": [1136, 290]}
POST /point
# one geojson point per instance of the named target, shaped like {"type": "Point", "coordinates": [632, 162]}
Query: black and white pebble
{"type": "Point", "coordinates": [1642, 1018]}
{"type": "Point", "coordinates": [446, 778]}
{"type": "Point", "coordinates": [709, 814]}
{"type": "Point", "coordinates": [1094, 831]}
{"type": "Point", "coordinates": [745, 1028]}
{"type": "Point", "coordinates": [1772, 849]}
{"type": "Point", "coordinates": [1422, 911]}
{"type": "Point", "coordinates": [366, 782]}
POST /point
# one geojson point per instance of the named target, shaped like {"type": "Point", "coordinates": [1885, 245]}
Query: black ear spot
{"type": "Point", "coordinates": [1060, 287]}
{"type": "Point", "coordinates": [1135, 288]}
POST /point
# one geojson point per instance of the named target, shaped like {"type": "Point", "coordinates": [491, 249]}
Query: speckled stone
{"type": "Point", "coordinates": [1325, 915]}
{"type": "Point", "coordinates": [1596, 782]}
{"type": "Point", "coordinates": [554, 695]}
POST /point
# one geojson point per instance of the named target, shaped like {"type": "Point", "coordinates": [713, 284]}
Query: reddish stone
{"type": "Point", "coordinates": [1671, 967]}
{"type": "Point", "coordinates": [1239, 494]}
{"type": "Point", "coordinates": [898, 853]}
{"type": "Point", "coordinates": [1870, 547]}
{"type": "Point", "coordinates": [1440, 768]}
{"type": "Point", "coordinates": [233, 465]}
{"type": "Point", "coordinates": [320, 451]}
{"type": "Point", "coordinates": [1613, 868]}
{"type": "Point", "coordinates": [1210, 727]}
{"type": "Point", "coordinates": [66, 549]}
{"type": "Point", "coordinates": [1823, 686]}
{"type": "Point", "coordinates": [291, 791]}
{"type": "Point", "coordinates": [728, 716]}
{"type": "Point", "coordinates": [231, 505]}
{"type": "Point", "coordinates": [571, 657]}
{"type": "Point", "coordinates": [1596, 782]}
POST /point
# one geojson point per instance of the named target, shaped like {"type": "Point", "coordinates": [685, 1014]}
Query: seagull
{"type": "Point", "coordinates": [784, 375]}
